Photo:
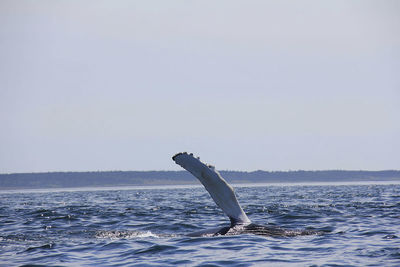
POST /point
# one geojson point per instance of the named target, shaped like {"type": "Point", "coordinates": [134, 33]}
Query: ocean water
{"type": "Point", "coordinates": [360, 226]}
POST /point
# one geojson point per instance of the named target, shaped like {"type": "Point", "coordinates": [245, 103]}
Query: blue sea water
{"type": "Point", "coordinates": [360, 226]}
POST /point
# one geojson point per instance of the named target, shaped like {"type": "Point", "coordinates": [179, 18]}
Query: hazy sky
{"type": "Point", "coordinates": [246, 85]}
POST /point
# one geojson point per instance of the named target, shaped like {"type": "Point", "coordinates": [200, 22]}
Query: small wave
{"type": "Point", "coordinates": [156, 249]}
{"type": "Point", "coordinates": [45, 246]}
{"type": "Point", "coordinates": [124, 234]}
{"type": "Point", "coordinates": [390, 236]}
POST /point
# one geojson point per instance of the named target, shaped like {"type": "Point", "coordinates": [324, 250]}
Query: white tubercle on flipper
{"type": "Point", "coordinates": [221, 192]}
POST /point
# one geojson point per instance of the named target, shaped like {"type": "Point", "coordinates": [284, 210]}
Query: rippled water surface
{"type": "Point", "coordinates": [360, 225]}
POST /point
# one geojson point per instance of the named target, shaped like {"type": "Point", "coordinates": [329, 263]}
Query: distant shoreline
{"type": "Point", "coordinates": [54, 180]}
{"type": "Point", "coordinates": [186, 186]}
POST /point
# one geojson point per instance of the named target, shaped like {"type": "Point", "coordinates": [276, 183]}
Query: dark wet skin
{"type": "Point", "coordinates": [262, 230]}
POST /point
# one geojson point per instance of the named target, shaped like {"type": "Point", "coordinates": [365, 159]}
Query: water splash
{"type": "Point", "coordinates": [124, 234]}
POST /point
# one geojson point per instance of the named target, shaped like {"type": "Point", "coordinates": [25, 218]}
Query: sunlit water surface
{"type": "Point", "coordinates": [139, 226]}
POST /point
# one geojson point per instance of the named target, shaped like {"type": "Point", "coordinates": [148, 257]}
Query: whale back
{"type": "Point", "coordinates": [220, 191]}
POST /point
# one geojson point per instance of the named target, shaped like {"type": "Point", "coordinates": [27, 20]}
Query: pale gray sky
{"type": "Point", "coordinates": [247, 85]}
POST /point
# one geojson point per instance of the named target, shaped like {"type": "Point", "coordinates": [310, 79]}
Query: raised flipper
{"type": "Point", "coordinates": [221, 192]}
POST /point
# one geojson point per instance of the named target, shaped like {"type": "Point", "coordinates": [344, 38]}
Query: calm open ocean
{"type": "Point", "coordinates": [147, 226]}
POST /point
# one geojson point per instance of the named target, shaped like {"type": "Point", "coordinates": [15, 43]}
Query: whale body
{"type": "Point", "coordinates": [224, 196]}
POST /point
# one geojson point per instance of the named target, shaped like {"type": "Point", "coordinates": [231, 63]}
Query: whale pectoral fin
{"type": "Point", "coordinates": [221, 192]}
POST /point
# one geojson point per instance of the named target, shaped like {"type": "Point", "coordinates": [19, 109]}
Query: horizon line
{"type": "Point", "coordinates": [259, 170]}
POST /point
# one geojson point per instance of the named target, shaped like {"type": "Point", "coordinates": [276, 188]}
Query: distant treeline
{"type": "Point", "coordinates": [121, 178]}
